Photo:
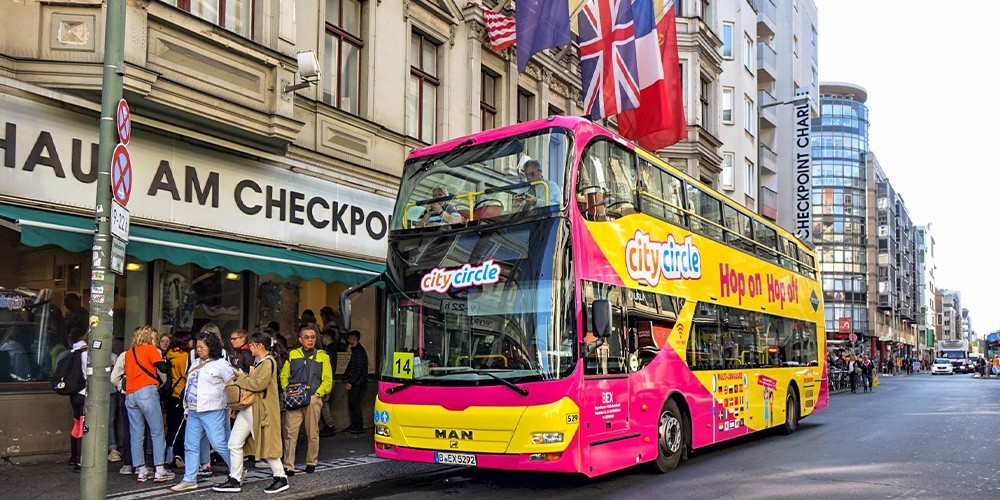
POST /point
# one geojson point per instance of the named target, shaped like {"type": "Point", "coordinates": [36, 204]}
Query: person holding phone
{"type": "Point", "coordinates": [535, 195]}
{"type": "Point", "coordinates": [439, 212]}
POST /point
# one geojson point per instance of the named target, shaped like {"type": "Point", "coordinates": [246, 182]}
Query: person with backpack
{"type": "Point", "coordinates": [867, 373]}
{"type": "Point", "coordinates": [70, 379]}
{"type": "Point", "coordinates": [306, 378]}
{"type": "Point", "coordinates": [142, 401]}
{"type": "Point", "coordinates": [177, 359]}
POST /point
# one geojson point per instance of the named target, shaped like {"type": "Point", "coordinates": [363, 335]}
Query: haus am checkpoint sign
{"type": "Point", "coordinates": [121, 174]}
{"type": "Point", "coordinates": [124, 121]}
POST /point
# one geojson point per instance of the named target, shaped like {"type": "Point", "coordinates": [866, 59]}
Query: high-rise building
{"type": "Point", "coordinates": [926, 290]}
{"type": "Point", "coordinates": [896, 306]}
{"type": "Point", "coordinates": [949, 309]}
{"type": "Point", "coordinates": [840, 209]}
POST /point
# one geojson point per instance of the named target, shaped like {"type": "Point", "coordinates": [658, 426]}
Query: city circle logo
{"type": "Point", "coordinates": [648, 261]}
{"type": "Point", "coordinates": [441, 280]}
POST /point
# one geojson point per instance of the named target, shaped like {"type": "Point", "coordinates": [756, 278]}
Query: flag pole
{"type": "Point", "coordinates": [565, 48]}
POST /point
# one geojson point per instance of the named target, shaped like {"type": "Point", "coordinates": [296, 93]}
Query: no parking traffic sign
{"type": "Point", "coordinates": [124, 121]}
{"type": "Point", "coordinates": [121, 174]}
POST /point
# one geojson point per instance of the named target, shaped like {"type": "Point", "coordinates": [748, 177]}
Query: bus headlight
{"type": "Point", "coordinates": [546, 437]}
{"type": "Point", "coordinates": [382, 430]}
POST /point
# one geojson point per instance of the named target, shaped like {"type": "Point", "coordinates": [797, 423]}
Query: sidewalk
{"type": "Point", "coordinates": [346, 461]}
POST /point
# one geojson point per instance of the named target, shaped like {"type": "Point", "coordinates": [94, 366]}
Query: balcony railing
{"type": "Point", "coordinates": [767, 61]}
{"type": "Point", "coordinates": [766, 16]}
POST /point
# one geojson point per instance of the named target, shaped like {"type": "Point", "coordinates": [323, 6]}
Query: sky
{"type": "Point", "coordinates": [928, 68]}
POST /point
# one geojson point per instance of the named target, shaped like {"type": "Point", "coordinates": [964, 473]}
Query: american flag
{"type": "Point", "coordinates": [607, 57]}
{"type": "Point", "coordinates": [500, 29]}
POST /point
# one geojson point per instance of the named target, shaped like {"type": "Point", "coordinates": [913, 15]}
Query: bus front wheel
{"type": "Point", "coordinates": [672, 437]}
{"type": "Point", "coordinates": [791, 412]}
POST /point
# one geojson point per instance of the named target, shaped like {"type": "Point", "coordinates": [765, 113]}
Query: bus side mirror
{"type": "Point", "coordinates": [344, 321]}
{"type": "Point", "coordinates": [601, 314]}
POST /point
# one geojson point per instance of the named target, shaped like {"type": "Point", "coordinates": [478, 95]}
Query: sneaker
{"type": "Point", "coordinates": [144, 475]}
{"type": "Point", "coordinates": [114, 456]}
{"type": "Point", "coordinates": [76, 468]}
{"type": "Point", "coordinates": [280, 484]}
{"type": "Point", "coordinates": [310, 469]}
{"type": "Point", "coordinates": [162, 477]}
{"type": "Point", "coordinates": [205, 470]}
{"type": "Point", "coordinates": [184, 486]}
{"type": "Point", "coordinates": [126, 470]}
{"type": "Point", "coordinates": [230, 486]}
{"type": "Point", "coordinates": [327, 432]}
{"type": "Point", "coordinates": [289, 472]}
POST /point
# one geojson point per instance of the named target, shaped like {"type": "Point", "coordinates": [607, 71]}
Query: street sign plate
{"type": "Point", "coordinates": [117, 256]}
{"type": "Point", "coordinates": [852, 337]}
{"type": "Point", "coordinates": [124, 121]}
{"type": "Point", "coordinates": [121, 174]}
{"type": "Point", "coordinates": [119, 221]}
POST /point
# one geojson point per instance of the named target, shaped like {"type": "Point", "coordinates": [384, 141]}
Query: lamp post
{"type": "Point", "coordinates": [797, 100]}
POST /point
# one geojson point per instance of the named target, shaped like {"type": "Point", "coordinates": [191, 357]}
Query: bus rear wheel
{"type": "Point", "coordinates": [791, 412]}
{"type": "Point", "coordinates": [672, 437]}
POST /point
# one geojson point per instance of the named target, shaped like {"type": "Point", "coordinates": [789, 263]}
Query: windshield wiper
{"type": "Point", "coordinates": [514, 387]}
{"type": "Point", "coordinates": [403, 385]}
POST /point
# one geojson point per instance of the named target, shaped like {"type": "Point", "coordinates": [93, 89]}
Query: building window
{"type": "Point", "coordinates": [795, 46]}
{"type": "Point", "coordinates": [727, 171]}
{"type": "Point", "coordinates": [750, 179]}
{"type": "Point", "coordinates": [342, 52]}
{"type": "Point", "coordinates": [704, 90]}
{"type": "Point", "coordinates": [421, 93]}
{"type": "Point", "coordinates": [727, 40]}
{"type": "Point", "coordinates": [525, 105]}
{"type": "Point", "coordinates": [233, 15]}
{"type": "Point", "coordinates": [748, 55]}
{"type": "Point", "coordinates": [554, 110]}
{"type": "Point", "coordinates": [748, 115]}
{"type": "Point", "coordinates": [488, 101]}
{"type": "Point", "coordinates": [727, 105]}
{"type": "Point", "coordinates": [679, 8]}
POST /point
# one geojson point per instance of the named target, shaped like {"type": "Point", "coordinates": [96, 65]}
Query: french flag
{"type": "Point", "coordinates": [659, 120]}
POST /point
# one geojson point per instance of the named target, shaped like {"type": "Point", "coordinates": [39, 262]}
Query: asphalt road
{"type": "Point", "coordinates": [914, 437]}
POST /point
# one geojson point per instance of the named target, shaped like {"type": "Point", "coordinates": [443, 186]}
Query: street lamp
{"type": "Point", "coordinates": [797, 100]}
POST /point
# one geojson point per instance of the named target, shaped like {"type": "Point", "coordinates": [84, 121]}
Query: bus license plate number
{"type": "Point", "coordinates": [455, 459]}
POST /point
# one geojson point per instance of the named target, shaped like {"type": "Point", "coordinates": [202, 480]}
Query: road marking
{"type": "Point", "coordinates": [251, 476]}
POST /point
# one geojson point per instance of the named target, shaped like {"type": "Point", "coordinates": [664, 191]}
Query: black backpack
{"type": "Point", "coordinates": [68, 377]}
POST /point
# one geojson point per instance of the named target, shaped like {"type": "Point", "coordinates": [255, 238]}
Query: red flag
{"type": "Point", "coordinates": [659, 120]}
{"type": "Point", "coordinates": [500, 29]}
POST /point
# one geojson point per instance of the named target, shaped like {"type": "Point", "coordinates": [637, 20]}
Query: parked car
{"type": "Point", "coordinates": [942, 365]}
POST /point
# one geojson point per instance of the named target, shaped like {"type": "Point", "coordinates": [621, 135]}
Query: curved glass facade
{"type": "Point", "coordinates": [839, 155]}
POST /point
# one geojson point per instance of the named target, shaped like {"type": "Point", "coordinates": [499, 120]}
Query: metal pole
{"type": "Point", "coordinates": [94, 466]}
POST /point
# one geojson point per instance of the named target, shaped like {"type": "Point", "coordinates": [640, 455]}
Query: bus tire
{"type": "Point", "coordinates": [671, 437]}
{"type": "Point", "coordinates": [791, 412]}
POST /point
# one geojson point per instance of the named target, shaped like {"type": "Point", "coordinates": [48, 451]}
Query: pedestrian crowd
{"type": "Point", "coordinates": [184, 396]}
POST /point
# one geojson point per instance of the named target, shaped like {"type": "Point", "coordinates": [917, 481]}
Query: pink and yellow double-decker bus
{"type": "Point", "coordinates": [560, 300]}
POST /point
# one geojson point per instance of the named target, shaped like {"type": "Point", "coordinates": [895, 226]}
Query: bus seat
{"type": "Point", "coordinates": [464, 212]}
{"type": "Point", "coordinates": [490, 207]}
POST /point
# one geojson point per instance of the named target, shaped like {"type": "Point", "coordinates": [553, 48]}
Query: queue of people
{"type": "Point", "coordinates": [176, 399]}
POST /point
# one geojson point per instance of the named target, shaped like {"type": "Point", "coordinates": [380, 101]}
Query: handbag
{"type": "Point", "coordinates": [239, 398]}
{"type": "Point", "coordinates": [297, 395]}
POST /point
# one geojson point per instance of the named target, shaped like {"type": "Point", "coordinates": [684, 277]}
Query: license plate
{"type": "Point", "coordinates": [454, 458]}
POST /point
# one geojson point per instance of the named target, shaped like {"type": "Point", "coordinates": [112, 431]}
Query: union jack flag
{"type": "Point", "coordinates": [607, 58]}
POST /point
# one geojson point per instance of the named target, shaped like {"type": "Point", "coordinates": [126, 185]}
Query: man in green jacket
{"type": "Point", "coordinates": [311, 368]}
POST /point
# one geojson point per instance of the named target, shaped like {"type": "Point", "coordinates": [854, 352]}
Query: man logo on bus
{"type": "Point", "coordinates": [440, 279]}
{"type": "Point", "coordinates": [647, 261]}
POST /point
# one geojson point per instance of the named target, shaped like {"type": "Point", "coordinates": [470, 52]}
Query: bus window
{"type": "Point", "coordinates": [661, 194]}
{"type": "Point", "coordinates": [705, 341]}
{"type": "Point", "coordinates": [791, 254]}
{"type": "Point", "coordinates": [767, 239]}
{"type": "Point", "coordinates": [708, 211]}
{"type": "Point", "coordinates": [607, 182]}
{"type": "Point", "coordinates": [738, 234]}
{"type": "Point", "coordinates": [609, 358]}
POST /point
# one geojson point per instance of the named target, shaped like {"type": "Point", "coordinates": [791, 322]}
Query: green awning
{"type": "Point", "coordinates": [76, 234]}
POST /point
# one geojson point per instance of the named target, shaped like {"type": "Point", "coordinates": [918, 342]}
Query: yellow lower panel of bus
{"type": "Point", "coordinates": [482, 429]}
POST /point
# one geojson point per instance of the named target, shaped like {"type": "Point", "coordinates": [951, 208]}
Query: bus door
{"type": "Point", "coordinates": [604, 409]}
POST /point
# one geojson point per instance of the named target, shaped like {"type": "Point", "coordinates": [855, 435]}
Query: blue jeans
{"type": "Point", "coordinates": [211, 424]}
{"type": "Point", "coordinates": [143, 408]}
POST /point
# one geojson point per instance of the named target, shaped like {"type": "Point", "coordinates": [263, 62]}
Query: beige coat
{"type": "Point", "coordinates": [265, 435]}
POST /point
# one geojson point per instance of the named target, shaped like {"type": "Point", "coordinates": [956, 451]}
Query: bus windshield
{"type": "Point", "coordinates": [469, 307]}
{"type": "Point", "coordinates": [499, 178]}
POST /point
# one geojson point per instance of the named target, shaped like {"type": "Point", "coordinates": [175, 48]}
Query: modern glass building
{"type": "Point", "coordinates": [840, 187]}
